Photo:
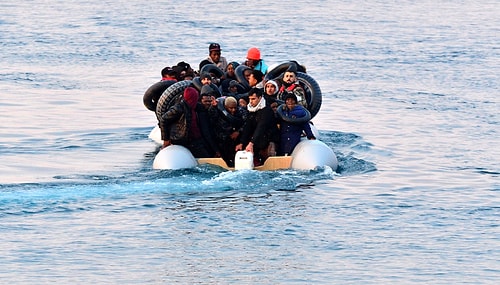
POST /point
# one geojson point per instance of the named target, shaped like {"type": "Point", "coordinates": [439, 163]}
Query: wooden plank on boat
{"type": "Point", "coordinates": [271, 163]}
{"type": "Point", "coordinates": [275, 163]}
{"type": "Point", "coordinates": [215, 161]}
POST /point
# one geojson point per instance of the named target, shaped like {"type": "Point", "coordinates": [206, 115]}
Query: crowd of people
{"type": "Point", "coordinates": [224, 117]}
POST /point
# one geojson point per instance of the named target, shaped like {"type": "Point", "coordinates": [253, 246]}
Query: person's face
{"type": "Point", "coordinates": [206, 101]}
{"type": "Point", "coordinates": [206, 81]}
{"type": "Point", "coordinates": [231, 107]}
{"type": "Point", "coordinates": [270, 89]}
{"type": "Point", "coordinates": [252, 81]}
{"type": "Point", "coordinates": [251, 63]}
{"type": "Point", "coordinates": [274, 106]}
{"type": "Point", "coordinates": [242, 103]}
{"type": "Point", "coordinates": [215, 55]}
{"type": "Point", "coordinates": [253, 100]}
{"type": "Point", "coordinates": [289, 77]}
{"type": "Point", "coordinates": [290, 103]}
{"type": "Point", "coordinates": [233, 89]}
{"type": "Point", "coordinates": [247, 73]}
{"type": "Point", "coordinates": [230, 70]}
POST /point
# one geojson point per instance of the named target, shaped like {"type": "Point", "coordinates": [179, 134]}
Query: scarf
{"type": "Point", "coordinates": [261, 105]}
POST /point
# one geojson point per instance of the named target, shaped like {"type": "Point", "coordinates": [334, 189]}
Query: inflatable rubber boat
{"type": "Point", "coordinates": [307, 155]}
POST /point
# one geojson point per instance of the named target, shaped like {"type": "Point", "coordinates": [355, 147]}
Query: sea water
{"type": "Point", "coordinates": [410, 107]}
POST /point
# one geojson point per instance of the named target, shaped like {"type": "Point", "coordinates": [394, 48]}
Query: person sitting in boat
{"type": "Point", "coordinates": [271, 94]}
{"type": "Point", "coordinates": [184, 71]}
{"type": "Point", "coordinates": [254, 60]}
{"type": "Point", "coordinates": [168, 73]}
{"type": "Point", "coordinates": [255, 79]}
{"type": "Point", "coordinates": [232, 89]}
{"type": "Point", "coordinates": [185, 124]}
{"type": "Point", "coordinates": [260, 133]}
{"type": "Point", "coordinates": [293, 120]}
{"type": "Point", "coordinates": [214, 56]}
{"type": "Point", "coordinates": [228, 76]}
{"type": "Point", "coordinates": [290, 85]}
{"type": "Point", "coordinates": [228, 125]}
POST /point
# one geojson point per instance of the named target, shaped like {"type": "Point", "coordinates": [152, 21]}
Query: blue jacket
{"type": "Point", "coordinates": [291, 132]}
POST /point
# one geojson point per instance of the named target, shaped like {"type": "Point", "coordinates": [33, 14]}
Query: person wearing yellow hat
{"type": "Point", "coordinates": [254, 60]}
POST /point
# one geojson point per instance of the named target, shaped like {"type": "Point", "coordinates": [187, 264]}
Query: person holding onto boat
{"type": "Point", "coordinates": [185, 124]}
{"type": "Point", "coordinates": [254, 60]}
{"type": "Point", "coordinates": [214, 56]}
{"type": "Point", "coordinates": [260, 133]}
{"type": "Point", "coordinates": [290, 85]}
{"type": "Point", "coordinates": [293, 120]}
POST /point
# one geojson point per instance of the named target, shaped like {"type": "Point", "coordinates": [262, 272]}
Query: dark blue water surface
{"type": "Point", "coordinates": [410, 107]}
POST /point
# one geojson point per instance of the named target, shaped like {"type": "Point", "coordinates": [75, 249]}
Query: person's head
{"type": "Point", "coordinates": [271, 88]}
{"type": "Point", "coordinates": [230, 68]}
{"type": "Point", "coordinates": [255, 77]}
{"type": "Point", "coordinates": [243, 102]}
{"type": "Point", "coordinates": [253, 57]}
{"type": "Point", "coordinates": [168, 73]}
{"type": "Point", "coordinates": [191, 97]}
{"type": "Point", "coordinates": [206, 100]}
{"type": "Point", "coordinates": [274, 106]}
{"type": "Point", "coordinates": [290, 75]}
{"type": "Point", "coordinates": [233, 86]}
{"type": "Point", "coordinates": [254, 96]}
{"type": "Point", "coordinates": [205, 78]}
{"type": "Point", "coordinates": [214, 52]}
{"type": "Point", "coordinates": [203, 63]}
{"type": "Point", "coordinates": [290, 101]}
{"type": "Point", "coordinates": [231, 105]}
{"type": "Point", "coordinates": [247, 73]}
{"type": "Point", "coordinates": [184, 71]}
{"type": "Point", "coordinates": [207, 94]}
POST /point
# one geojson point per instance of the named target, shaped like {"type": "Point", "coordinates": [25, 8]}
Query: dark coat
{"type": "Point", "coordinates": [175, 126]}
{"type": "Point", "coordinates": [260, 128]}
{"type": "Point", "coordinates": [290, 132]}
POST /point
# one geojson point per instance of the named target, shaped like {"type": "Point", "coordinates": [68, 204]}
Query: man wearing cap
{"type": "Point", "coordinates": [214, 56]}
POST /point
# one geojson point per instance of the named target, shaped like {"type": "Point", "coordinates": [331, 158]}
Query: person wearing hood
{"type": "Point", "coordinates": [293, 120]}
{"type": "Point", "coordinates": [183, 124]}
{"type": "Point", "coordinates": [229, 75]}
{"type": "Point", "coordinates": [290, 85]}
{"type": "Point", "coordinates": [260, 133]}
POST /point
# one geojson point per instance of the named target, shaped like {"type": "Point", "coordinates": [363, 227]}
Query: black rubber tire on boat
{"type": "Point", "coordinates": [240, 76]}
{"type": "Point", "coordinates": [153, 94]}
{"type": "Point", "coordinates": [172, 95]}
{"type": "Point", "coordinates": [212, 68]}
{"type": "Point", "coordinates": [198, 85]}
{"type": "Point", "coordinates": [277, 71]}
{"type": "Point", "coordinates": [301, 120]}
{"type": "Point", "coordinates": [312, 92]}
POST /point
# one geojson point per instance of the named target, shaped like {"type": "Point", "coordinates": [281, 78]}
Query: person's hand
{"type": "Point", "coordinates": [166, 143]}
{"type": "Point", "coordinates": [238, 147]}
{"type": "Point", "coordinates": [234, 135]}
{"type": "Point", "coordinates": [214, 101]}
{"type": "Point", "coordinates": [249, 147]}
